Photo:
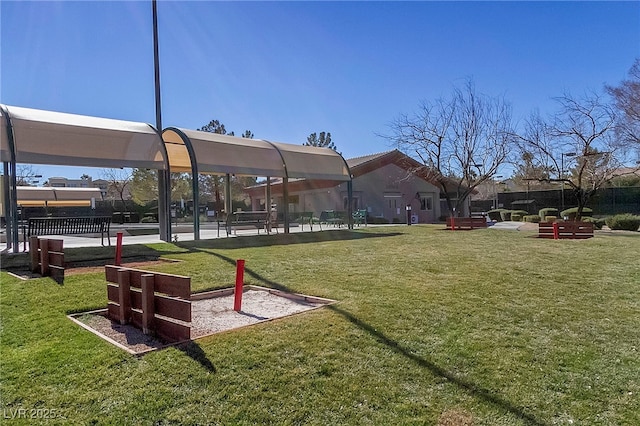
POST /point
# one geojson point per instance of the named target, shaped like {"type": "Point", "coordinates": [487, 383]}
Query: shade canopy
{"type": "Point", "coordinates": [222, 154]}
{"type": "Point", "coordinates": [35, 196]}
{"type": "Point", "coordinates": [46, 137]}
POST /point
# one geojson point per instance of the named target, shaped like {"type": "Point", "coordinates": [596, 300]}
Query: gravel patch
{"type": "Point", "coordinates": [211, 313]}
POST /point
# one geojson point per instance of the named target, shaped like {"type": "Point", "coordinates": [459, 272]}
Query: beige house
{"type": "Point", "coordinates": [384, 185]}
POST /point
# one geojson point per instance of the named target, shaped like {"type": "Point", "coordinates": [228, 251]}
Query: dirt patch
{"type": "Point", "coordinates": [93, 266]}
{"type": "Point", "coordinates": [211, 313]}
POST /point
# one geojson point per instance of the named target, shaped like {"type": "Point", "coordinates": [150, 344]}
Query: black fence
{"type": "Point", "coordinates": [607, 201]}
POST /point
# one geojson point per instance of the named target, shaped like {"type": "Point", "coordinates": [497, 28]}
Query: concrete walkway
{"type": "Point", "coordinates": [183, 232]}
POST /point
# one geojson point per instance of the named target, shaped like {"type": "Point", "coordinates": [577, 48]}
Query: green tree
{"type": "Point", "coordinates": [323, 140]}
{"type": "Point", "coordinates": [211, 186]}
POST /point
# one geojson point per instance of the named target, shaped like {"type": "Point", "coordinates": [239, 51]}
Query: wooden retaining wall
{"type": "Point", "coordinates": [47, 257]}
{"type": "Point", "coordinates": [565, 230]}
{"type": "Point", "coordinates": [159, 304]}
{"type": "Point", "coordinates": [466, 223]}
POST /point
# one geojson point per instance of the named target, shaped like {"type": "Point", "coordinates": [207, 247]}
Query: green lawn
{"type": "Point", "coordinates": [488, 326]}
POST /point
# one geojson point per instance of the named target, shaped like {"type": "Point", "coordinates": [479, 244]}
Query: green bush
{"type": "Point", "coordinates": [517, 215]}
{"type": "Point", "coordinates": [624, 222]}
{"type": "Point", "coordinates": [597, 223]}
{"type": "Point", "coordinates": [550, 219]}
{"type": "Point", "coordinates": [505, 215]}
{"type": "Point", "coordinates": [570, 214]}
{"type": "Point", "coordinates": [548, 211]}
{"type": "Point", "coordinates": [494, 215]}
{"type": "Point", "coordinates": [532, 218]}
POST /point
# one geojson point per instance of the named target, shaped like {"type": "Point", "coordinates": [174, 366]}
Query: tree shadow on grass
{"type": "Point", "coordinates": [195, 352]}
{"type": "Point", "coordinates": [470, 387]}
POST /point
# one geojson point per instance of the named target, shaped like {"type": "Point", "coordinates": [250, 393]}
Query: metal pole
{"type": "Point", "coordinates": [164, 179]}
{"type": "Point", "coordinates": [562, 179]}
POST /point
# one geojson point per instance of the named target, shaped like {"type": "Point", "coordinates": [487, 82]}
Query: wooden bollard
{"type": "Point", "coordinates": [124, 296]}
{"type": "Point", "coordinates": [148, 306]}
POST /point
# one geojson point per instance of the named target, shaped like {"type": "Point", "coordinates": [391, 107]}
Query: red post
{"type": "Point", "coordinates": [237, 299]}
{"type": "Point", "coordinates": [118, 248]}
{"type": "Point", "coordinates": [453, 223]}
{"type": "Point", "coordinates": [556, 231]}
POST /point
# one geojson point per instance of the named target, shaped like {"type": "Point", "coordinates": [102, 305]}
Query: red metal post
{"type": "Point", "coordinates": [118, 248]}
{"type": "Point", "coordinates": [237, 299]}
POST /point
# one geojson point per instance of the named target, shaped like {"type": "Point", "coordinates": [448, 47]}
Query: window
{"type": "Point", "coordinates": [426, 203]}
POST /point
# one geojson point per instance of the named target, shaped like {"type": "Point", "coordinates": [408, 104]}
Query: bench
{"type": "Point", "coordinates": [360, 217]}
{"type": "Point", "coordinates": [259, 219]}
{"type": "Point", "coordinates": [37, 226]}
{"type": "Point", "coordinates": [565, 230]}
{"type": "Point", "coordinates": [304, 218]}
{"type": "Point", "coordinates": [466, 223]}
{"type": "Point", "coordinates": [331, 217]}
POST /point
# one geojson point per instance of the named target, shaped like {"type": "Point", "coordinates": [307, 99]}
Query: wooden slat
{"type": "Point", "coordinates": [113, 311]}
{"type": "Point", "coordinates": [172, 285]}
{"type": "Point", "coordinates": [167, 306]}
{"type": "Point", "coordinates": [171, 331]}
{"type": "Point", "coordinates": [55, 258]}
{"type": "Point", "coordinates": [164, 328]}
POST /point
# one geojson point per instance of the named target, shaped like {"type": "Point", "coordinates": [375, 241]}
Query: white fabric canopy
{"type": "Point", "coordinates": [46, 137]}
{"type": "Point", "coordinates": [221, 154]}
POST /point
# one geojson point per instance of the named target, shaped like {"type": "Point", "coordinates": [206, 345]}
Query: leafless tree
{"type": "Point", "coordinates": [118, 182]}
{"type": "Point", "coordinates": [581, 137]}
{"type": "Point", "coordinates": [626, 98]}
{"type": "Point", "coordinates": [26, 175]}
{"type": "Point", "coordinates": [461, 141]}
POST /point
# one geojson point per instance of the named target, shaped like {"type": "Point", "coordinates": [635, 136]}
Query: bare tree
{"type": "Point", "coordinates": [626, 97]}
{"type": "Point", "coordinates": [581, 137]}
{"type": "Point", "coordinates": [118, 183]}
{"type": "Point", "coordinates": [461, 141]}
{"type": "Point", "coordinates": [27, 175]}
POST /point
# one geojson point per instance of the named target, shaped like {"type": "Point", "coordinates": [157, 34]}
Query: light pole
{"type": "Point", "coordinates": [495, 191]}
{"type": "Point", "coordinates": [564, 154]}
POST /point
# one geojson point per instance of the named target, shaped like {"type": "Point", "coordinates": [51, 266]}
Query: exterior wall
{"type": "Point", "coordinates": [384, 192]}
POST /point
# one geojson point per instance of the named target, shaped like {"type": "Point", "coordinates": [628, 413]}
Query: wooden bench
{"type": "Point", "coordinates": [159, 304]}
{"type": "Point", "coordinates": [258, 219]}
{"type": "Point", "coordinates": [466, 223]}
{"type": "Point", "coordinates": [565, 230]}
{"type": "Point", "coordinates": [37, 226]}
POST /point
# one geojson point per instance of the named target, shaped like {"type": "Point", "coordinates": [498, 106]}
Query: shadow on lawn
{"type": "Point", "coordinates": [244, 241]}
{"type": "Point", "coordinates": [473, 389]}
{"type": "Point", "coordinates": [195, 352]}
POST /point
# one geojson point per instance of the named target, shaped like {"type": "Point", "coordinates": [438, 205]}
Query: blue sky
{"type": "Point", "coordinates": [286, 69]}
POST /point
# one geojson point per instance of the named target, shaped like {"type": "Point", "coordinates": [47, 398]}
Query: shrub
{"type": "Point", "coordinates": [532, 218]}
{"type": "Point", "coordinates": [597, 223]}
{"type": "Point", "coordinates": [570, 214]}
{"type": "Point", "coordinates": [517, 215]}
{"type": "Point", "coordinates": [550, 219]}
{"type": "Point", "coordinates": [548, 211]}
{"type": "Point", "coordinates": [494, 215]}
{"type": "Point", "coordinates": [505, 215]}
{"type": "Point", "coordinates": [625, 222]}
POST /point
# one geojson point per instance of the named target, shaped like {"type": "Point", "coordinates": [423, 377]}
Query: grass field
{"type": "Point", "coordinates": [483, 327]}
